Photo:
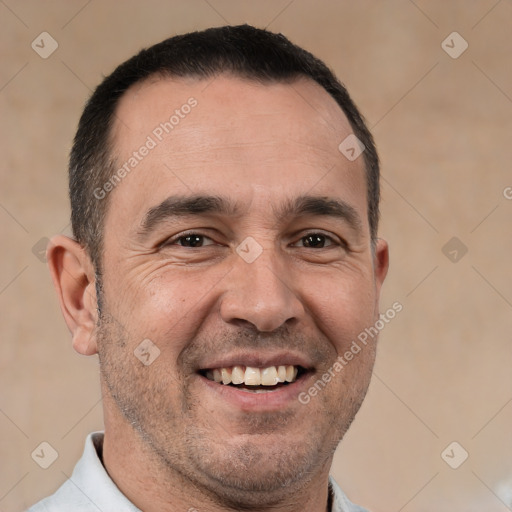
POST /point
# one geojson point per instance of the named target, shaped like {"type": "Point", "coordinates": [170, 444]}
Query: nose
{"type": "Point", "coordinates": [261, 294]}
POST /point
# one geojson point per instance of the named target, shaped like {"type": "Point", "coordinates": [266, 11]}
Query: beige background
{"type": "Point", "coordinates": [443, 127]}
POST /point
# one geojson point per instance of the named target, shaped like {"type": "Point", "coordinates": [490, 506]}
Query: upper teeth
{"type": "Point", "coordinates": [251, 376]}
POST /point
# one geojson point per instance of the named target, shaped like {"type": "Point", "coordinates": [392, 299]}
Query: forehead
{"type": "Point", "coordinates": [227, 135]}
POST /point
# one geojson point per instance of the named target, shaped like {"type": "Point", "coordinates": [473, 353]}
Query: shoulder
{"type": "Point", "coordinates": [67, 498]}
{"type": "Point", "coordinates": [89, 488]}
{"type": "Point", "coordinates": [340, 501]}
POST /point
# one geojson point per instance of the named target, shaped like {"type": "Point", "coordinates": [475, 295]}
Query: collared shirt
{"type": "Point", "coordinates": [90, 489]}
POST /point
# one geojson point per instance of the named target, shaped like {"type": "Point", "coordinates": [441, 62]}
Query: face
{"type": "Point", "coordinates": [239, 246]}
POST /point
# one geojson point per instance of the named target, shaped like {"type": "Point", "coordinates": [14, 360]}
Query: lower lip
{"type": "Point", "coordinates": [249, 401]}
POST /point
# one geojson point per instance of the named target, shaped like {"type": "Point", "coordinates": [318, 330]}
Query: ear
{"type": "Point", "coordinates": [380, 264]}
{"type": "Point", "coordinates": [74, 280]}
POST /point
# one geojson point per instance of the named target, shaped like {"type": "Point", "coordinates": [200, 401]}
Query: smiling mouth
{"type": "Point", "coordinates": [255, 380]}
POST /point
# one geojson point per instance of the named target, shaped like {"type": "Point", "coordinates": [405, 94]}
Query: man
{"type": "Point", "coordinates": [224, 192]}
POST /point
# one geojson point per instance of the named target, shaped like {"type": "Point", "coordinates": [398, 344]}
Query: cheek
{"type": "Point", "coordinates": [342, 306]}
{"type": "Point", "coordinates": [168, 306]}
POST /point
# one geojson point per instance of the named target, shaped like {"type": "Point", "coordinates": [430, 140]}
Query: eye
{"type": "Point", "coordinates": [317, 241]}
{"type": "Point", "coordinates": [190, 240]}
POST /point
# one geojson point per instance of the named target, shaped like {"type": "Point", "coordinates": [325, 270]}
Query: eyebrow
{"type": "Point", "coordinates": [320, 206]}
{"type": "Point", "coordinates": [197, 205]}
{"type": "Point", "coordinates": [186, 206]}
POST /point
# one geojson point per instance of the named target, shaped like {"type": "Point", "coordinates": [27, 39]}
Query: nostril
{"type": "Point", "coordinates": [262, 302]}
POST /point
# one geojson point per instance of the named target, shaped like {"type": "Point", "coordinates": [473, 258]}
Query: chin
{"type": "Point", "coordinates": [249, 471]}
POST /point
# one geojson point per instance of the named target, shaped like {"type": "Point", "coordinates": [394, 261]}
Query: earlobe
{"type": "Point", "coordinates": [74, 280]}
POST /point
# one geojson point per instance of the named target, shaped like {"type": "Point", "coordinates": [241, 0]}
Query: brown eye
{"type": "Point", "coordinates": [190, 240]}
{"type": "Point", "coordinates": [316, 240]}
